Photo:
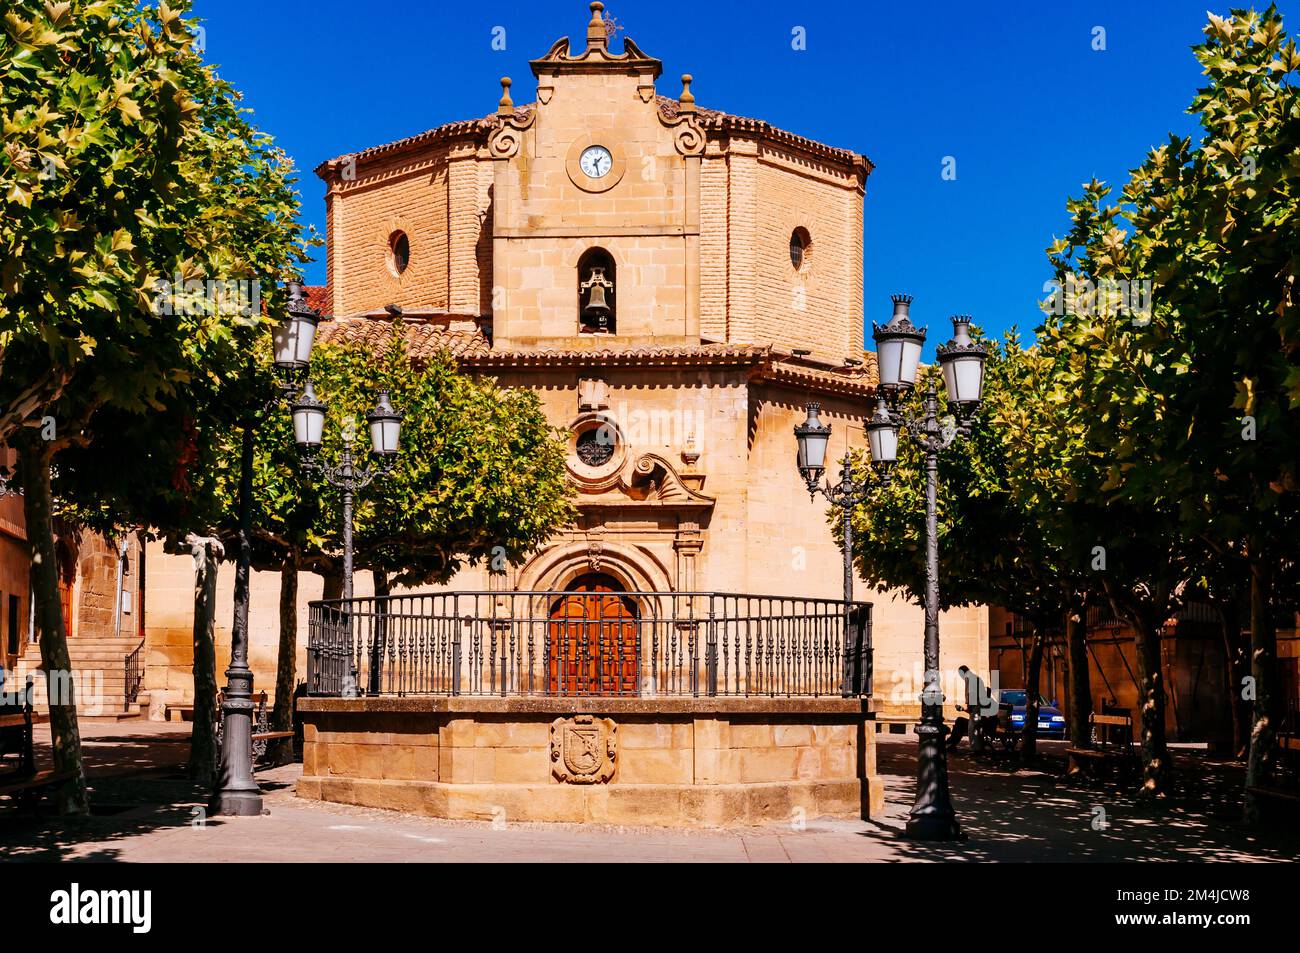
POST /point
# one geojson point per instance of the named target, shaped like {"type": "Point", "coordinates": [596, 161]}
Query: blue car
{"type": "Point", "coordinates": [1051, 723]}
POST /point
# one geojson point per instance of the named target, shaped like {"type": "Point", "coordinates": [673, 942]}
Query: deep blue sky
{"type": "Point", "coordinates": [1013, 91]}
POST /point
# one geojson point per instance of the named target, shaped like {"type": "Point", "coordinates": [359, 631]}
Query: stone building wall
{"type": "Point", "coordinates": [14, 578]}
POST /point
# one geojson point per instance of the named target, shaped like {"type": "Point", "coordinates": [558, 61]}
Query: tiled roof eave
{"type": "Point", "coordinates": [709, 120]}
{"type": "Point", "coordinates": [857, 384]}
{"type": "Point", "coordinates": [741, 355]}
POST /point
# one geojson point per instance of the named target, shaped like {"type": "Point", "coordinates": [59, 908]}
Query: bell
{"type": "Point", "coordinates": [597, 309]}
{"type": "Point", "coordinates": [597, 306]}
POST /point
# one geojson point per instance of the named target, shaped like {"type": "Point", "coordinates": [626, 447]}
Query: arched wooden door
{"type": "Point", "coordinates": [593, 640]}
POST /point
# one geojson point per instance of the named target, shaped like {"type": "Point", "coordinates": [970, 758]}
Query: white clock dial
{"type": "Point", "coordinates": [596, 161]}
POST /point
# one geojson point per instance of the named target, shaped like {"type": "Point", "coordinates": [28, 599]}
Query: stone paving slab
{"type": "Point", "coordinates": [149, 813]}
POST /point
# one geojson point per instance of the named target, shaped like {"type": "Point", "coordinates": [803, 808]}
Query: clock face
{"type": "Point", "coordinates": [596, 161]}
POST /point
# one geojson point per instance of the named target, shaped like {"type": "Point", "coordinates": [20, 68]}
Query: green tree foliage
{"type": "Point", "coordinates": [1189, 408]}
{"type": "Point", "coordinates": [127, 163]}
{"type": "Point", "coordinates": [480, 478]}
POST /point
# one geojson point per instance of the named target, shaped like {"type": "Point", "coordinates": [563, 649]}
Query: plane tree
{"type": "Point", "coordinates": [132, 186]}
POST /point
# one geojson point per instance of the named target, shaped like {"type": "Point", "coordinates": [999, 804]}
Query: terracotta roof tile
{"type": "Point", "coordinates": [318, 298]}
{"type": "Point", "coordinates": [641, 355]}
{"type": "Point", "coordinates": [423, 338]}
{"type": "Point", "coordinates": [716, 119]}
{"type": "Point", "coordinates": [456, 335]}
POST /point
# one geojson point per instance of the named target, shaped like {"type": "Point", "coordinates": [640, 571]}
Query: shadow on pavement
{"type": "Point", "coordinates": [1016, 813]}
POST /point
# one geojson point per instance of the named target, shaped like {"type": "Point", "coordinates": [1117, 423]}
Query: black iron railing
{"type": "Point", "coordinates": [584, 643]}
{"type": "Point", "coordinates": [133, 676]}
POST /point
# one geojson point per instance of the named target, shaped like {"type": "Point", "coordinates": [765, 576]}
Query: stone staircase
{"type": "Point", "coordinates": [98, 672]}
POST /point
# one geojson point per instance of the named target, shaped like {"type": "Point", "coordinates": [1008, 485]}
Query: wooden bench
{"type": "Point", "coordinates": [262, 732]}
{"type": "Point", "coordinates": [1285, 788]}
{"type": "Point", "coordinates": [16, 721]}
{"type": "Point", "coordinates": [27, 790]}
{"type": "Point", "coordinates": [1112, 754]}
{"type": "Point", "coordinates": [23, 782]}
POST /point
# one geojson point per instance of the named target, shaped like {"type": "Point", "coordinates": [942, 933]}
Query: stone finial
{"type": "Point", "coordinates": [506, 106]}
{"type": "Point", "coordinates": [597, 34]}
{"type": "Point", "coordinates": [686, 101]}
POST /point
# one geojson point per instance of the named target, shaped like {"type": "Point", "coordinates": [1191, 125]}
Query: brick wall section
{"type": "Point", "coordinates": [713, 246]}
{"type": "Point", "coordinates": [742, 221]}
{"type": "Point", "coordinates": [386, 197]}
{"type": "Point", "coordinates": [519, 226]}
{"type": "Point", "coordinates": [815, 307]}
{"type": "Point", "coordinates": [463, 229]}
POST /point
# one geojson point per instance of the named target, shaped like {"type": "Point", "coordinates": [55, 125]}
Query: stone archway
{"type": "Point", "coordinates": [557, 568]}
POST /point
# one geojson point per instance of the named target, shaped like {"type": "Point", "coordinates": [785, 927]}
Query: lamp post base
{"type": "Point", "coordinates": [237, 803]}
{"type": "Point", "coordinates": [934, 827]}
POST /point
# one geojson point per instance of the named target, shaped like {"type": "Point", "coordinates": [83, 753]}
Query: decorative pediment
{"type": "Point", "coordinates": [650, 481]}
{"type": "Point", "coordinates": [654, 479]}
{"type": "Point", "coordinates": [560, 59]}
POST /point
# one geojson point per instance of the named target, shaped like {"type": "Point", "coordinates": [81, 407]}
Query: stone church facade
{"type": "Point", "coordinates": [676, 284]}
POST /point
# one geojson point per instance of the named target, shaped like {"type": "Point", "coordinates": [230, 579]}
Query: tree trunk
{"type": "Point", "coordinates": [1029, 730]}
{"type": "Point", "coordinates": [332, 584]}
{"type": "Point", "coordinates": [1151, 704]}
{"type": "Point", "coordinates": [34, 463]}
{"type": "Point", "coordinates": [280, 750]}
{"type": "Point", "coordinates": [1263, 670]}
{"type": "Point", "coordinates": [204, 751]}
{"type": "Point", "coordinates": [1236, 668]}
{"type": "Point", "coordinates": [1076, 637]}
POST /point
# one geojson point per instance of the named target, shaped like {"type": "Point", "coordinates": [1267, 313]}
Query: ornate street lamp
{"type": "Point", "coordinates": [962, 361]}
{"type": "Point", "coordinates": [898, 349]}
{"type": "Point", "coordinates": [308, 419]}
{"type": "Point", "coordinates": [882, 436]}
{"type": "Point", "coordinates": [294, 336]}
{"type": "Point", "coordinates": [348, 475]}
{"type": "Point", "coordinates": [813, 438]}
{"type": "Point", "coordinates": [932, 816]}
{"type": "Point", "coordinates": [237, 793]}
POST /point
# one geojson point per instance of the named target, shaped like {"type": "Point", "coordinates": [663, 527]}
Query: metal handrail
{"type": "Point", "coordinates": [556, 642]}
{"type": "Point", "coordinates": [133, 676]}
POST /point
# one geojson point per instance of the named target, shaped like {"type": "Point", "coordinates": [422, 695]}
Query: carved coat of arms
{"type": "Point", "coordinates": [584, 749]}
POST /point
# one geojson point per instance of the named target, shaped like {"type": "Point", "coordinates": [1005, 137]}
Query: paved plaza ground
{"type": "Point", "coordinates": [146, 811]}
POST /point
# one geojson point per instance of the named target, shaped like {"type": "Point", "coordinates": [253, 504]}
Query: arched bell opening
{"type": "Point", "coordinates": [596, 302]}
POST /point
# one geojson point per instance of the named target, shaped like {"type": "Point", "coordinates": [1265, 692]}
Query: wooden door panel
{"type": "Point", "coordinates": [593, 642]}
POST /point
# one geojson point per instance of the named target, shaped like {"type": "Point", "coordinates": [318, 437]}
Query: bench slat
{"type": "Point", "coordinates": [38, 780]}
{"type": "Point", "coordinates": [1125, 720]}
{"type": "Point", "coordinates": [1279, 793]}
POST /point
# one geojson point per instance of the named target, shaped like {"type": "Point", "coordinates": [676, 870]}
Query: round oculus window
{"type": "Point", "coordinates": [595, 447]}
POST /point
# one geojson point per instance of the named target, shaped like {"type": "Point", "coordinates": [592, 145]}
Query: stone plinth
{"type": "Point", "coordinates": [697, 762]}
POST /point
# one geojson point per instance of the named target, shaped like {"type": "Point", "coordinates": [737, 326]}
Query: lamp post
{"type": "Point", "coordinates": [237, 793]}
{"type": "Point", "coordinates": [813, 437]}
{"type": "Point", "coordinates": [348, 475]}
{"type": "Point", "coordinates": [898, 345]}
